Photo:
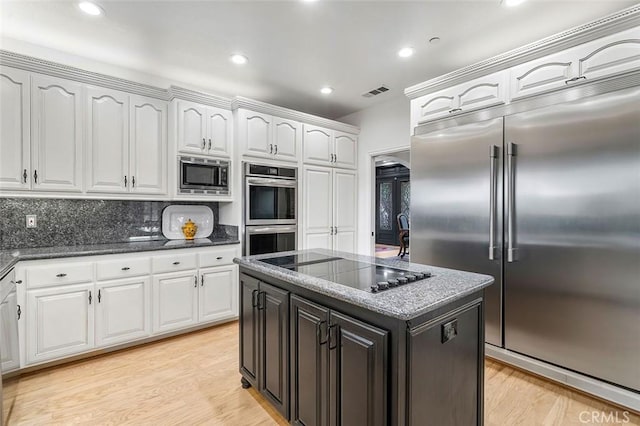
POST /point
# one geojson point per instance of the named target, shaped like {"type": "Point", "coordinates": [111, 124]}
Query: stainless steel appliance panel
{"type": "Point", "coordinates": [456, 206]}
{"type": "Point", "coordinates": [270, 239]}
{"type": "Point", "coordinates": [572, 285]}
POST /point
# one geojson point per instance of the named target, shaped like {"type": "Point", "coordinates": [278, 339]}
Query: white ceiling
{"type": "Point", "coordinates": [294, 47]}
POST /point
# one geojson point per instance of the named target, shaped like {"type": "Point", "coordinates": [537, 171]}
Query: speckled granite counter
{"type": "Point", "coordinates": [405, 302]}
{"type": "Point", "coordinates": [8, 258]}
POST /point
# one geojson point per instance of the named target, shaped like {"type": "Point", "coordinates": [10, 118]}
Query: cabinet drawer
{"type": "Point", "coordinates": [174, 262]}
{"type": "Point", "coordinates": [122, 268]}
{"type": "Point", "coordinates": [217, 257]}
{"type": "Point", "coordinates": [59, 274]}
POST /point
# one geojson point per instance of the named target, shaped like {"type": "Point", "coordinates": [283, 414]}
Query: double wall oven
{"type": "Point", "coordinates": [270, 209]}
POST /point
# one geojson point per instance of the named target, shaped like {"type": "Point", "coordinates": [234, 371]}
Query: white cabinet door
{"type": "Point", "coordinates": [218, 298]}
{"type": "Point", "coordinates": [610, 55]}
{"type": "Point", "coordinates": [107, 133]}
{"type": "Point", "coordinates": [192, 128]}
{"type": "Point", "coordinates": [317, 207]}
{"type": "Point", "coordinates": [175, 301]}
{"type": "Point", "coordinates": [256, 133]}
{"type": "Point", "coordinates": [59, 322]}
{"type": "Point", "coordinates": [345, 150]}
{"type": "Point", "coordinates": [317, 145]}
{"type": "Point", "coordinates": [15, 171]}
{"type": "Point", "coordinates": [148, 147]}
{"type": "Point", "coordinates": [547, 73]}
{"type": "Point", "coordinates": [432, 106]}
{"type": "Point", "coordinates": [56, 134]}
{"type": "Point", "coordinates": [219, 125]}
{"type": "Point", "coordinates": [123, 310]}
{"type": "Point", "coordinates": [287, 139]}
{"type": "Point", "coordinates": [9, 351]}
{"type": "Point", "coordinates": [482, 92]}
{"type": "Point", "coordinates": [345, 210]}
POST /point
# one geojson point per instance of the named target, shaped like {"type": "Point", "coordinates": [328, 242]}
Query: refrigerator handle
{"type": "Point", "coordinates": [512, 250]}
{"type": "Point", "coordinates": [493, 189]}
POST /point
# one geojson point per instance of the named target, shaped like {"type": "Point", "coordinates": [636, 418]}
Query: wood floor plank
{"type": "Point", "coordinates": [193, 380]}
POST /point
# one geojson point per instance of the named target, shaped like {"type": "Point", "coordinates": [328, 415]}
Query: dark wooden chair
{"type": "Point", "coordinates": [403, 234]}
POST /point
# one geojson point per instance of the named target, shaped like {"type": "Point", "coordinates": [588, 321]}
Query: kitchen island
{"type": "Point", "coordinates": [335, 338]}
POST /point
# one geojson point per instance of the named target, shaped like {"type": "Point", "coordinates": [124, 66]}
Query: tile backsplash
{"type": "Point", "coordinates": [73, 222]}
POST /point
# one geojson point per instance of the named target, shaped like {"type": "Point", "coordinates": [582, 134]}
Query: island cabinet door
{"type": "Point", "coordinates": [309, 362]}
{"type": "Point", "coordinates": [358, 370]}
{"type": "Point", "coordinates": [273, 305]}
{"type": "Point", "coordinates": [249, 289]}
{"type": "Point", "coordinates": [446, 361]}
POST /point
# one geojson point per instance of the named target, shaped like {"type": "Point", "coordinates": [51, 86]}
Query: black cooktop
{"type": "Point", "coordinates": [360, 275]}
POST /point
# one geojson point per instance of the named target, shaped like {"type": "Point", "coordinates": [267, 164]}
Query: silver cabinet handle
{"type": "Point", "coordinates": [574, 79]}
{"type": "Point", "coordinates": [201, 280]}
{"type": "Point", "coordinates": [61, 275]}
{"type": "Point", "coordinates": [493, 189]}
{"type": "Point", "coordinates": [451, 111]}
{"type": "Point", "coordinates": [35, 176]}
{"type": "Point", "coordinates": [209, 147]}
{"type": "Point", "coordinates": [512, 250]}
{"type": "Point", "coordinates": [335, 158]}
{"type": "Point", "coordinates": [219, 258]}
{"type": "Point", "coordinates": [270, 148]}
{"type": "Point", "coordinates": [133, 181]}
{"type": "Point", "coordinates": [204, 143]}
{"type": "Point", "coordinates": [275, 151]}
{"type": "Point", "coordinates": [176, 263]}
{"type": "Point", "coordinates": [195, 281]}
{"type": "Point", "coordinates": [24, 176]}
{"type": "Point", "coordinates": [125, 181]}
{"type": "Point", "coordinates": [125, 268]}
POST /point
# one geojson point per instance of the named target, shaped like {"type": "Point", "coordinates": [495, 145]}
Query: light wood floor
{"type": "Point", "coordinates": [391, 251]}
{"type": "Point", "coordinates": [194, 380]}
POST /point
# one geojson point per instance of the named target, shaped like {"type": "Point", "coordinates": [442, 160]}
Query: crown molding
{"type": "Point", "coordinates": [29, 63]}
{"type": "Point", "coordinates": [611, 24]}
{"type": "Point", "coordinates": [265, 108]}
{"type": "Point", "coordinates": [199, 97]}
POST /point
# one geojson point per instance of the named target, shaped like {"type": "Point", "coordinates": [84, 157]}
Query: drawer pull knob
{"type": "Point", "coordinates": [176, 263]}
{"type": "Point", "coordinates": [18, 281]}
{"type": "Point", "coordinates": [61, 275]}
{"type": "Point", "coordinates": [126, 268]}
{"type": "Point", "coordinates": [219, 258]}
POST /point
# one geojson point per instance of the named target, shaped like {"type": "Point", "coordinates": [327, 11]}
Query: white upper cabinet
{"type": "Point", "coordinates": [148, 146]}
{"type": "Point", "coordinates": [329, 148]}
{"type": "Point", "coordinates": [266, 136]}
{"type": "Point", "coordinates": [317, 196]}
{"type": "Point", "coordinates": [287, 139]}
{"type": "Point", "coordinates": [318, 145]}
{"type": "Point", "coordinates": [482, 92]}
{"type": "Point", "coordinates": [610, 55]}
{"type": "Point", "coordinates": [219, 125]}
{"type": "Point", "coordinates": [192, 128]}
{"type": "Point", "coordinates": [56, 134]}
{"type": "Point", "coordinates": [15, 170]}
{"type": "Point", "coordinates": [604, 57]}
{"type": "Point", "coordinates": [107, 133]}
{"type": "Point", "coordinates": [345, 152]}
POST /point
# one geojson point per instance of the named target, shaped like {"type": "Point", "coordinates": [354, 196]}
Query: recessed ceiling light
{"type": "Point", "coordinates": [406, 52]}
{"type": "Point", "coordinates": [512, 3]}
{"type": "Point", "coordinates": [90, 8]}
{"type": "Point", "coordinates": [434, 40]}
{"type": "Point", "coordinates": [326, 90]}
{"type": "Point", "coordinates": [239, 59]}
{"type": "Point", "coordinates": [309, 1]}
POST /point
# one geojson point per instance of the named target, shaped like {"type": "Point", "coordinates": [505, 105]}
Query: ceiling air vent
{"type": "Point", "coordinates": [375, 92]}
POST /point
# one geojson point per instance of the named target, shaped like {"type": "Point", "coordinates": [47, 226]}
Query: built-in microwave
{"type": "Point", "coordinates": [203, 176]}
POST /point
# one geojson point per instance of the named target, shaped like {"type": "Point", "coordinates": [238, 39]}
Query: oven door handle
{"type": "Point", "coordinates": [285, 183]}
{"type": "Point", "coordinates": [271, 230]}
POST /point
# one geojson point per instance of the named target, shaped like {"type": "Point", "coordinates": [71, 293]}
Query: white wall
{"type": "Point", "coordinates": [384, 128]}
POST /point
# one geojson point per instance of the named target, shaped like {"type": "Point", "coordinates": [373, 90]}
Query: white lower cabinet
{"type": "Point", "coordinates": [9, 310]}
{"type": "Point", "coordinates": [218, 295]}
{"type": "Point", "coordinates": [59, 322]}
{"type": "Point", "coordinates": [175, 301]}
{"type": "Point", "coordinates": [74, 306]}
{"type": "Point", "coordinates": [123, 310]}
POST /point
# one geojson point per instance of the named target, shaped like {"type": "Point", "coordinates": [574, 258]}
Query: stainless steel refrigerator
{"type": "Point", "coordinates": [546, 200]}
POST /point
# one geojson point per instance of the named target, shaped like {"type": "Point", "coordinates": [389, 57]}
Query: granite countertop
{"type": "Point", "coordinates": [8, 258]}
{"type": "Point", "coordinates": [405, 302]}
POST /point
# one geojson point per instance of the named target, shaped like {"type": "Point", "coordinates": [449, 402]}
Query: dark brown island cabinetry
{"type": "Point", "coordinates": [321, 367]}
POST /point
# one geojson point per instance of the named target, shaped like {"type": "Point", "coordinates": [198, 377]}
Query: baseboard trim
{"type": "Point", "coordinates": [602, 390]}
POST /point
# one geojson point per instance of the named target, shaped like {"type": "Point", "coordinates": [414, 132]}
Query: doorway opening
{"type": "Point", "coordinates": [392, 198]}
